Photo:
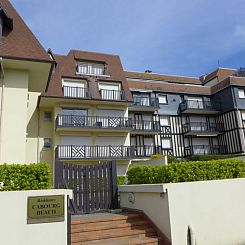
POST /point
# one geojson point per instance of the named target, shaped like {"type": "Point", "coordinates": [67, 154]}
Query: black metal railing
{"type": "Point", "coordinates": [202, 127]}
{"type": "Point", "coordinates": [93, 122]}
{"type": "Point", "coordinates": [107, 94]}
{"type": "Point", "coordinates": [76, 92]}
{"type": "Point", "coordinates": [206, 150]}
{"type": "Point", "coordinates": [200, 105]}
{"type": "Point", "coordinates": [145, 102]}
{"type": "Point", "coordinates": [104, 152]}
{"type": "Point", "coordinates": [94, 186]}
{"type": "Point", "coordinates": [145, 151]}
{"type": "Point", "coordinates": [144, 125]}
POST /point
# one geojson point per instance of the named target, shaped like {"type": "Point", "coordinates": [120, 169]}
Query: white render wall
{"type": "Point", "coordinates": [214, 210]}
{"type": "Point", "coordinates": [14, 229]}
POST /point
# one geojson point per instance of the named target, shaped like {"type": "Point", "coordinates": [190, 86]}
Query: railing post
{"type": "Point", "coordinates": [68, 221]}
{"type": "Point", "coordinates": [58, 173]}
{"type": "Point", "coordinates": [114, 187]}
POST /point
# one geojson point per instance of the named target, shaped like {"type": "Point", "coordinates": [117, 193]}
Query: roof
{"type": "Point", "coordinates": [229, 81]}
{"type": "Point", "coordinates": [170, 87]}
{"type": "Point", "coordinates": [66, 68]}
{"type": "Point", "coordinates": [20, 42]}
{"type": "Point", "coordinates": [162, 77]}
{"type": "Point", "coordinates": [221, 73]}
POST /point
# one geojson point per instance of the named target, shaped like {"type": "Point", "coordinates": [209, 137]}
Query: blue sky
{"type": "Point", "coordinates": [182, 37]}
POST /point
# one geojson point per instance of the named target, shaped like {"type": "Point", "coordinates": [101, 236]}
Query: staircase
{"type": "Point", "coordinates": [123, 228]}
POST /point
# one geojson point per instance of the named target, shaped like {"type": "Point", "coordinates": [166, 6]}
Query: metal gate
{"type": "Point", "coordinates": [94, 186]}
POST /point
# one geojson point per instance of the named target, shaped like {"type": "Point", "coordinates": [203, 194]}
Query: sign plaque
{"type": "Point", "coordinates": [45, 209]}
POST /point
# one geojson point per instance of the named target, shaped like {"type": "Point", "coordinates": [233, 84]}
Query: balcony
{"type": "Point", "coordinates": [203, 129]}
{"type": "Point", "coordinates": [146, 127]}
{"type": "Point", "coordinates": [93, 123]}
{"type": "Point", "coordinates": [76, 92]}
{"type": "Point", "coordinates": [205, 150]}
{"type": "Point", "coordinates": [107, 94]}
{"type": "Point", "coordinates": [145, 151]}
{"type": "Point", "coordinates": [86, 152]}
{"type": "Point", "coordinates": [144, 104]}
{"type": "Point", "coordinates": [199, 107]}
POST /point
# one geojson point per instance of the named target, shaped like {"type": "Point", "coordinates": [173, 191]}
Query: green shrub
{"type": "Point", "coordinates": [121, 180]}
{"type": "Point", "coordinates": [172, 159]}
{"type": "Point", "coordinates": [211, 157]}
{"type": "Point", "coordinates": [35, 176]}
{"type": "Point", "coordinates": [186, 171]}
{"type": "Point", "coordinates": [156, 156]}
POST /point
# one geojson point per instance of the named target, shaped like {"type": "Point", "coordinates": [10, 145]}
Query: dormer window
{"type": "Point", "coordinates": [6, 22]}
{"type": "Point", "coordinates": [97, 69]}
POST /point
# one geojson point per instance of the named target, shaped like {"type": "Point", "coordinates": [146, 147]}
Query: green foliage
{"type": "Point", "coordinates": [15, 177]}
{"type": "Point", "coordinates": [172, 159]}
{"type": "Point", "coordinates": [121, 180]}
{"type": "Point", "coordinates": [211, 157]}
{"type": "Point", "coordinates": [186, 172]}
{"type": "Point", "coordinates": [156, 156]}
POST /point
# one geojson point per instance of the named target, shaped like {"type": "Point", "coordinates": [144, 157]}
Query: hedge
{"type": "Point", "coordinates": [121, 180]}
{"type": "Point", "coordinates": [211, 157]}
{"type": "Point", "coordinates": [186, 172]}
{"type": "Point", "coordinates": [35, 176]}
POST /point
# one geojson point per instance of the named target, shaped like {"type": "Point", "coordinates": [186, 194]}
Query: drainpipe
{"type": "Point", "coordinates": [191, 238]}
{"type": "Point", "coordinates": [1, 109]}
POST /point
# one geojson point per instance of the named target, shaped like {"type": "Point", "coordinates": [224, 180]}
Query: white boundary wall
{"type": "Point", "coordinates": [215, 210]}
{"type": "Point", "coordinates": [14, 229]}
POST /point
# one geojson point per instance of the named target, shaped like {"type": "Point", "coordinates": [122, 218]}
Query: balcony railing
{"type": "Point", "coordinates": [77, 121]}
{"type": "Point", "coordinates": [81, 152]}
{"type": "Point", "coordinates": [112, 94]}
{"type": "Point", "coordinates": [143, 125]}
{"type": "Point", "coordinates": [199, 105]}
{"type": "Point", "coordinates": [145, 102]}
{"type": "Point", "coordinates": [76, 92]}
{"type": "Point", "coordinates": [201, 127]}
{"type": "Point", "coordinates": [206, 150]}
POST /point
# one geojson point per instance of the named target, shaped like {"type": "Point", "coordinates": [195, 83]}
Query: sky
{"type": "Point", "coordinates": [179, 37]}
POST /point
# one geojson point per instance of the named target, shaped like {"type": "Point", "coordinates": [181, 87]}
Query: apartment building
{"type": "Point", "coordinates": [197, 115]}
{"type": "Point", "coordinates": [83, 107]}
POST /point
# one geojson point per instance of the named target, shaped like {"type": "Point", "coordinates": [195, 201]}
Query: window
{"type": "Point", "coordinates": [141, 100]}
{"type": "Point", "coordinates": [110, 91]}
{"type": "Point", "coordinates": [47, 143]}
{"type": "Point", "coordinates": [166, 143]}
{"type": "Point", "coordinates": [47, 116]}
{"type": "Point", "coordinates": [164, 121]}
{"type": "Point", "coordinates": [241, 93]}
{"type": "Point", "coordinates": [92, 69]}
{"type": "Point", "coordinates": [75, 89]}
{"type": "Point", "coordinates": [75, 117]}
{"type": "Point", "coordinates": [195, 102]}
{"type": "Point", "coordinates": [243, 115]}
{"type": "Point", "coordinates": [162, 99]}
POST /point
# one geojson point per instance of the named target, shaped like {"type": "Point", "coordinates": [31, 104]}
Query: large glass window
{"type": "Point", "coordinates": [75, 89]}
{"type": "Point", "coordinates": [92, 69]}
{"type": "Point", "coordinates": [110, 91]}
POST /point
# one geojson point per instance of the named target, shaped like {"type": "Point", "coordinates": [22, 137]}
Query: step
{"type": "Point", "coordinates": [104, 234]}
{"type": "Point", "coordinates": [102, 218]}
{"type": "Point", "coordinates": [108, 225]}
{"type": "Point", "coordinates": [127, 240]}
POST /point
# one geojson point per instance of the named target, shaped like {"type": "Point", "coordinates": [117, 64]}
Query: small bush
{"type": "Point", "coordinates": [121, 180]}
{"type": "Point", "coordinates": [186, 172]}
{"type": "Point", "coordinates": [15, 177]}
{"type": "Point", "coordinates": [156, 156]}
{"type": "Point", "coordinates": [172, 159]}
